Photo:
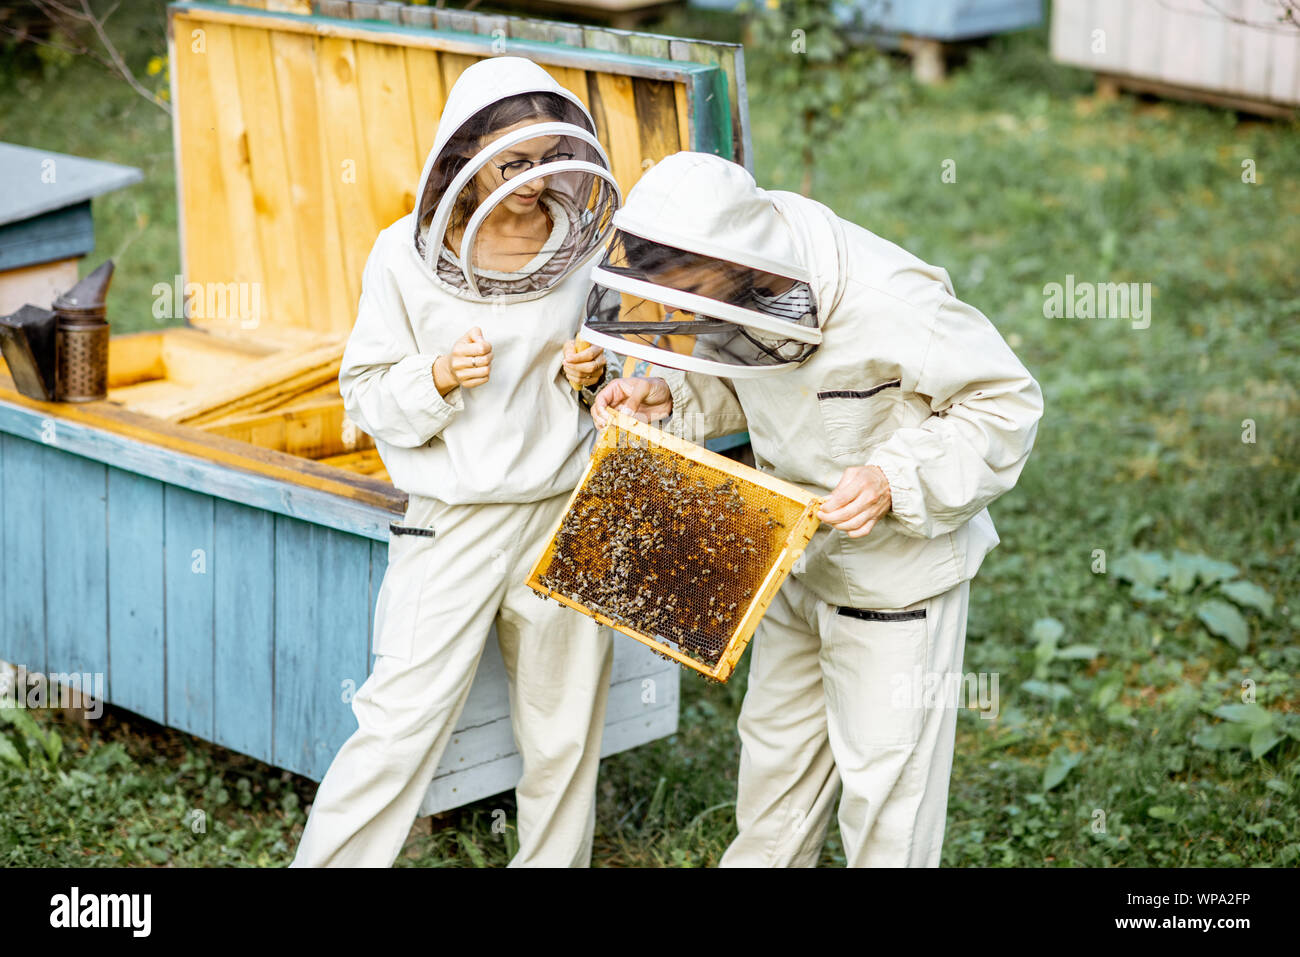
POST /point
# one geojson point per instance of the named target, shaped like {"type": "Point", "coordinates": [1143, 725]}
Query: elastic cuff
{"type": "Point", "coordinates": [417, 393]}
{"type": "Point", "coordinates": [901, 506]}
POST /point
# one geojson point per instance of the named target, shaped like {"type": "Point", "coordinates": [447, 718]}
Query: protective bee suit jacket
{"type": "Point", "coordinates": [907, 377]}
{"type": "Point", "coordinates": [520, 437]}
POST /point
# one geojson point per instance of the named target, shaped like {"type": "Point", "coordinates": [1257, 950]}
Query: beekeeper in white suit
{"type": "Point", "coordinates": [462, 365]}
{"type": "Point", "coordinates": [861, 376]}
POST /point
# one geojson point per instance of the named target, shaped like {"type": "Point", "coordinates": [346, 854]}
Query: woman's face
{"type": "Point", "coordinates": [525, 199]}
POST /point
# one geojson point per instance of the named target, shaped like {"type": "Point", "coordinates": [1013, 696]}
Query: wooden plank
{"type": "Point", "coordinates": [452, 66]}
{"type": "Point", "coordinates": [284, 297]}
{"type": "Point", "coordinates": [424, 80]}
{"type": "Point", "coordinates": [268, 396]}
{"type": "Point", "coordinates": [76, 562]}
{"type": "Point", "coordinates": [256, 377]}
{"type": "Point", "coordinates": [233, 159]}
{"type": "Point", "coordinates": [321, 642]}
{"type": "Point", "coordinates": [189, 608]}
{"type": "Point", "coordinates": [311, 197]}
{"type": "Point", "coordinates": [243, 571]}
{"type": "Point", "coordinates": [209, 250]}
{"type": "Point", "coordinates": [314, 431]}
{"type": "Point", "coordinates": [394, 170]}
{"type": "Point", "coordinates": [613, 106]}
{"type": "Point", "coordinates": [22, 613]}
{"type": "Point", "coordinates": [136, 643]}
{"type": "Point", "coordinates": [208, 463]}
{"type": "Point", "coordinates": [347, 159]}
{"type": "Point", "coordinates": [656, 112]}
{"type": "Point", "coordinates": [573, 80]}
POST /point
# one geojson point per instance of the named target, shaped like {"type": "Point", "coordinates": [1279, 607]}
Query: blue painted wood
{"type": "Point", "coordinates": [22, 603]}
{"type": "Point", "coordinates": [187, 571]}
{"type": "Point", "coordinates": [243, 567]}
{"type": "Point", "coordinates": [322, 615]}
{"type": "Point", "coordinates": [933, 19]}
{"type": "Point", "coordinates": [136, 674]}
{"type": "Point", "coordinates": [56, 235]}
{"type": "Point", "coordinates": [76, 565]}
{"type": "Point", "coordinates": [176, 468]}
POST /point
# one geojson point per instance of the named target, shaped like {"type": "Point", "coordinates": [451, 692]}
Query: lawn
{"type": "Point", "coordinates": [1140, 614]}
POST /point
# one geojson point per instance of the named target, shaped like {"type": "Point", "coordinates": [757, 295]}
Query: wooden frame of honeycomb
{"type": "Point", "coordinates": [751, 485]}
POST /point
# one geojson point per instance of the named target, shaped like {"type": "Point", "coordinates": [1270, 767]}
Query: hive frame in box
{"type": "Point", "coordinates": [796, 541]}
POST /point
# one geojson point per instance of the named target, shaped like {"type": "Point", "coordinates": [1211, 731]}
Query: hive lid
{"type": "Point", "coordinates": [299, 137]}
{"type": "Point", "coordinates": [40, 181]}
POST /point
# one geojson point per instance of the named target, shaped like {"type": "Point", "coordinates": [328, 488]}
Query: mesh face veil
{"type": "Point", "coordinates": [698, 313]}
{"type": "Point", "coordinates": [531, 150]}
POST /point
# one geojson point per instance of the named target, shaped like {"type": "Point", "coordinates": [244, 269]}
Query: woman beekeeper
{"type": "Point", "coordinates": [860, 375]}
{"type": "Point", "coordinates": [460, 366]}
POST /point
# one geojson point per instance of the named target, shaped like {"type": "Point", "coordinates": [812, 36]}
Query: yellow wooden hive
{"type": "Point", "coordinates": [673, 545]}
{"type": "Point", "coordinates": [298, 138]}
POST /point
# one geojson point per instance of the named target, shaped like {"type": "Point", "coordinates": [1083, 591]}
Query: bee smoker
{"type": "Point", "coordinates": [81, 339]}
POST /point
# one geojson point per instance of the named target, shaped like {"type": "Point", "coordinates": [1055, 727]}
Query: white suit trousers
{"type": "Point", "coordinates": [439, 597]}
{"type": "Point", "coordinates": [831, 706]}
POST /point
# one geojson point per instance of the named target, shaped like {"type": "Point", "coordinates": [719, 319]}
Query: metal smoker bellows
{"type": "Point", "coordinates": [674, 545]}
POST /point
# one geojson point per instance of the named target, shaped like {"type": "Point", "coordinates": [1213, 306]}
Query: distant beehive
{"type": "Point", "coordinates": [674, 545]}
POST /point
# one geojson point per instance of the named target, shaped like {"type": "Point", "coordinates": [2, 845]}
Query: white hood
{"type": "Point", "coordinates": [708, 291]}
{"type": "Point", "coordinates": [709, 205]}
{"type": "Point", "coordinates": [478, 87]}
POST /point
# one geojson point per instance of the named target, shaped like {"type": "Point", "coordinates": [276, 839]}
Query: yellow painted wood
{"type": "Point", "coordinates": [135, 357]}
{"type": "Point", "coordinates": [656, 115]}
{"type": "Point", "coordinates": [186, 440]}
{"type": "Point", "coordinates": [275, 393]}
{"type": "Point", "coordinates": [311, 200]}
{"type": "Point", "coordinates": [683, 114]}
{"type": "Point", "coordinates": [613, 106]}
{"type": "Point", "coordinates": [394, 172]}
{"type": "Point", "coordinates": [268, 373]}
{"type": "Point", "coordinates": [284, 294]}
{"type": "Point", "coordinates": [347, 163]}
{"type": "Point", "coordinates": [207, 230]}
{"type": "Point", "coordinates": [452, 66]}
{"type": "Point", "coordinates": [313, 431]}
{"type": "Point", "coordinates": [573, 80]}
{"type": "Point", "coordinates": [424, 81]}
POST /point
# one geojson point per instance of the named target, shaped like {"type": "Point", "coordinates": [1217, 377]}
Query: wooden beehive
{"type": "Point", "coordinates": [212, 536]}
{"type": "Point", "coordinates": [660, 533]}
{"type": "Point", "coordinates": [1240, 54]}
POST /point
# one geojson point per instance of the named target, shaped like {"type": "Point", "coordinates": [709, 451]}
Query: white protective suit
{"type": "Point", "coordinates": [906, 377]}
{"type": "Point", "coordinates": [488, 471]}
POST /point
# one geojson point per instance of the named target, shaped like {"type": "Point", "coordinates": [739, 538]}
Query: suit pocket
{"type": "Point", "coordinates": [880, 657]}
{"type": "Point", "coordinates": [856, 420]}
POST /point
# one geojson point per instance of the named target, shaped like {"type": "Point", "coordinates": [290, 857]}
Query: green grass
{"type": "Point", "coordinates": [1140, 454]}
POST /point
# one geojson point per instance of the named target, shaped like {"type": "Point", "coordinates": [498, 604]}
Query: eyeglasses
{"type": "Point", "coordinates": [509, 170]}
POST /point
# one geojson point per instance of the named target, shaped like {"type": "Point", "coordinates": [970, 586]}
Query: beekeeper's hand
{"type": "Point", "coordinates": [585, 366]}
{"type": "Point", "coordinates": [468, 364]}
{"type": "Point", "coordinates": [858, 501]}
{"type": "Point", "coordinates": [645, 399]}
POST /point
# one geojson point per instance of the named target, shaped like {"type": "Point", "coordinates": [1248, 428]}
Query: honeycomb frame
{"type": "Point", "coordinates": [626, 431]}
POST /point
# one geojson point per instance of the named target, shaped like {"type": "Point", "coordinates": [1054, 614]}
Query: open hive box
{"type": "Point", "coordinates": [298, 138]}
{"type": "Point", "coordinates": [676, 546]}
{"type": "Point", "coordinates": [212, 536]}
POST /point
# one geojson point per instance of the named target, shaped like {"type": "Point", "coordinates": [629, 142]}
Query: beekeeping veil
{"type": "Point", "coordinates": [702, 275]}
{"type": "Point", "coordinates": [579, 194]}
